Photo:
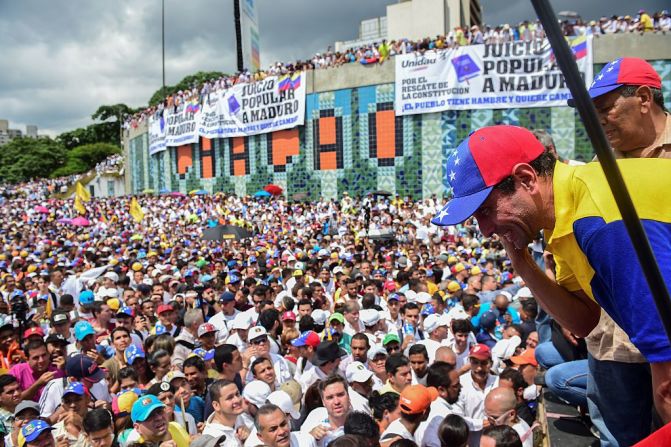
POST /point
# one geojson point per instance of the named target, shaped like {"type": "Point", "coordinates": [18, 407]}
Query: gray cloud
{"type": "Point", "coordinates": [64, 58]}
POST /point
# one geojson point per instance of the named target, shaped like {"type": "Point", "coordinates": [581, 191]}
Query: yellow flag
{"type": "Point", "coordinates": [79, 206]}
{"type": "Point", "coordinates": [136, 211]}
{"type": "Point", "coordinates": [82, 193]}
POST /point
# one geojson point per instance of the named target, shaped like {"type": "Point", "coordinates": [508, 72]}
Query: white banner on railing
{"type": "Point", "coordinates": [156, 133]}
{"type": "Point", "coordinates": [509, 75]}
{"type": "Point", "coordinates": [182, 124]}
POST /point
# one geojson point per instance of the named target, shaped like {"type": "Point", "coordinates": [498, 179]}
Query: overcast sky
{"type": "Point", "coordinates": [61, 59]}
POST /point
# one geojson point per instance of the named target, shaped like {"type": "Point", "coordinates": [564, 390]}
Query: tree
{"type": "Point", "coordinates": [104, 132]}
{"type": "Point", "coordinates": [25, 158]}
{"type": "Point", "coordinates": [85, 157]}
{"type": "Point", "coordinates": [190, 81]}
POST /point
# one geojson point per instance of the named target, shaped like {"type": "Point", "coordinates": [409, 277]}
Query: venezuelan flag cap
{"type": "Point", "coordinates": [623, 71]}
{"type": "Point", "coordinates": [482, 161]}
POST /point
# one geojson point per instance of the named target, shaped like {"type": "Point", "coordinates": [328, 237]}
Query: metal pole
{"type": "Point", "coordinates": [163, 41]}
{"type": "Point", "coordinates": [585, 107]}
{"type": "Point", "coordinates": [238, 34]}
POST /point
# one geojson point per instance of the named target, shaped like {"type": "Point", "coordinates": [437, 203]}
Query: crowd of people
{"type": "Point", "coordinates": [380, 52]}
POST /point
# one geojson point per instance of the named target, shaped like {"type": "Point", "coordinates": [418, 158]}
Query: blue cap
{"type": "Point", "coordinates": [393, 296]}
{"type": "Point", "coordinates": [33, 429]}
{"type": "Point", "coordinates": [231, 264]}
{"type": "Point", "coordinates": [205, 278]}
{"type": "Point", "coordinates": [83, 329]}
{"type": "Point", "coordinates": [144, 406]}
{"type": "Point", "coordinates": [233, 278]}
{"type": "Point", "coordinates": [132, 353]}
{"type": "Point", "coordinates": [86, 297]}
{"type": "Point", "coordinates": [159, 329]}
{"type": "Point", "coordinates": [75, 388]}
{"type": "Point", "coordinates": [204, 354]}
{"type": "Point", "coordinates": [227, 297]}
{"type": "Point", "coordinates": [428, 309]}
{"type": "Point", "coordinates": [125, 310]}
{"type": "Point", "coordinates": [307, 338]}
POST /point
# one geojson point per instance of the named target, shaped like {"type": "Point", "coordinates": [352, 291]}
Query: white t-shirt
{"type": "Point", "coordinates": [396, 429]}
{"type": "Point", "coordinates": [319, 416]}
{"type": "Point", "coordinates": [523, 429]}
{"type": "Point", "coordinates": [358, 402]}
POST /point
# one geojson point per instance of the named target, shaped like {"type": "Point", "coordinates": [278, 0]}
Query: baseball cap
{"type": "Point", "coordinates": [206, 328]}
{"type": "Point", "coordinates": [33, 429]}
{"type": "Point", "coordinates": [172, 375]}
{"type": "Point", "coordinates": [132, 353]}
{"type": "Point", "coordinates": [59, 317]}
{"type": "Point", "coordinates": [369, 317]}
{"type": "Point", "coordinates": [288, 316]}
{"type": "Point", "coordinates": [204, 354]}
{"type": "Point", "coordinates": [480, 352]}
{"type": "Point", "coordinates": [112, 276]}
{"type": "Point", "coordinates": [337, 316]}
{"type": "Point", "coordinates": [307, 338]}
{"type": "Point", "coordinates": [56, 339]}
{"type": "Point", "coordinates": [86, 297]}
{"type": "Point", "coordinates": [227, 297]}
{"type": "Point", "coordinates": [283, 400]}
{"type": "Point", "coordinates": [416, 399]}
{"type": "Point", "coordinates": [256, 392]}
{"type": "Point", "coordinates": [143, 407]}
{"type": "Point", "coordinates": [82, 367]}
{"type": "Point", "coordinates": [319, 316]}
{"type": "Point", "coordinates": [164, 308]}
{"type": "Point", "coordinates": [357, 372]}
{"type": "Point", "coordinates": [390, 338]}
{"type": "Point", "coordinates": [434, 321]}
{"type": "Point", "coordinates": [126, 310]}
{"type": "Point", "coordinates": [241, 321]}
{"type": "Point", "coordinates": [527, 357]}
{"type": "Point", "coordinates": [33, 331]}
{"type": "Point", "coordinates": [293, 389]}
{"type": "Point", "coordinates": [123, 403]}
{"type": "Point", "coordinates": [75, 388]}
{"type": "Point", "coordinates": [83, 329]}
{"type": "Point", "coordinates": [622, 71]}
{"type": "Point", "coordinates": [375, 351]}
{"type": "Point", "coordinates": [26, 405]}
{"type": "Point", "coordinates": [423, 298]}
{"type": "Point", "coordinates": [255, 332]}
{"type": "Point", "coordinates": [482, 161]}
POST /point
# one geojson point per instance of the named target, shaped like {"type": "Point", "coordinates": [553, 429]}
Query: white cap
{"type": "Point", "coordinates": [434, 321]}
{"type": "Point", "coordinates": [256, 331]}
{"type": "Point", "coordinates": [411, 296]}
{"type": "Point", "coordinates": [283, 400]}
{"type": "Point", "coordinates": [357, 372]}
{"type": "Point", "coordinates": [337, 270]}
{"type": "Point", "coordinates": [506, 294]}
{"type": "Point", "coordinates": [320, 316]}
{"type": "Point", "coordinates": [241, 321]}
{"type": "Point", "coordinates": [369, 317]}
{"type": "Point", "coordinates": [112, 275]}
{"type": "Point", "coordinates": [423, 298]}
{"type": "Point", "coordinates": [172, 375]}
{"type": "Point", "coordinates": [376, 350]}
{"type": "Point", "coordinates": [256, 392]}
{"type": "Point", "coordinates": [523, 293]}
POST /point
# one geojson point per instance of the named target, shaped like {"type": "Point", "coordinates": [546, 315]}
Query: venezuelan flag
{"type": "Point", "coordinates": [285, 83]}
{"type": "Point", "coordinates": [579, 47]}
{"type": "Point", "coordinates": [295, 80]}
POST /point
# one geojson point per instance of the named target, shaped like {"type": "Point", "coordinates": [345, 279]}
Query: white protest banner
{"type": "Point", "coordinates": [497, 76]}
{"type": "Point", "coordinates": [262, 106]}
{"type": "Point", "coordinates": [156, 133]}
{"type": "Point", "coordinates": [181, 126]}
{"type": "Point", "coordinates": [211, 123]}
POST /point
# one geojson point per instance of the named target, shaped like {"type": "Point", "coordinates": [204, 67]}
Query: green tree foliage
{"type": "Point", "coordinates": [188, 82]}
{"type": "Point", "coordinates": [83, 158]}
{"type": "Point", "coordinates": [25, 158]}
{"type": "Point", "coordinates": [104, 132]}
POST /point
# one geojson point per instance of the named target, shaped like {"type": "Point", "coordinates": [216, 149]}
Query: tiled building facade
{"type": "Point", "coordinates": [351, 141]}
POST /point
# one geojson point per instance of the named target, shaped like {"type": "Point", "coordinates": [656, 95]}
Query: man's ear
{"type": "Point", "coordinates": [644, 95]}
{"type": "Point", "coordinates": [525, 176]}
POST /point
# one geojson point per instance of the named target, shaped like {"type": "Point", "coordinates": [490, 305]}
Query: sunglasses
{"type": "Point", "coordinates": [259, 341]}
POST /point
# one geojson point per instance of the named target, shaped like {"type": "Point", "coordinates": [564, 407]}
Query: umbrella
{"type": "Point", "coordinates": [261, 194]}
{"type": "Point", "coordinates": [42, 209]}
{"type": "Point", "coordinates": [384, 234]}
{"type": "Point", "coordinates": [177, 194]}
{"type": "Point", "coordinates": [80, 222]}
{"type": "Point", "coordinates": [300, 196]}
{"type": "Point", "coordinates": [148, 191]}
{"type": "Point", "coordinates": [64, 220]}
{"type": "Point", "coordinates": [226, 232]}
{"type": "Point", "coordinates": [381, 193]}
{"type": "Point", "coordinates": [164, 191]}
{"type": "Point", "coordinates": [197, 192]}
{"type": "Point", "coordinates": [273, 189]}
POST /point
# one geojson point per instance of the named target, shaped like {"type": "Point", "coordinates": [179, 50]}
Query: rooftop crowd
{"type": "Point", "coordinates": [643, 22]}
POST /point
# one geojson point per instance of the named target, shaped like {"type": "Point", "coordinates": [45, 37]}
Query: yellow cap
{"type": "Point", "coordinates": [136, 266]}
{"type": "Point", "coordinates": [23, 254]}
{"type": "Point", "coordinates": [32, 268]}
{"type": "Point", "coordinates": [114, 304]}
{"type": "Point", "coordinates": [151, 253]}
{"type": "Point", "coordinates": [452, 260]}
{"type": "Point", "coordinates": [459, 267]}
{"type": "Point", "coordinates": [453, 287]}
{"type": "Point", "coordinates": [475, 271]}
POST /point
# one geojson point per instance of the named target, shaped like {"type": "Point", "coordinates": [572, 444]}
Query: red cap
{"type": "Point", "coordinates": [33, 331]}
{"type": "Point", "coordinates": [164, 308]}
{"type": "Point", "coordinates": [390, 285]}
{"type": "Point", "coordinates": [480, 352]}
{"type": "Point", "coordinates": [288, 316]}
